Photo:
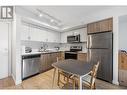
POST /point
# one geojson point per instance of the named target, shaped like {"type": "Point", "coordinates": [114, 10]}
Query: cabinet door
{"type": "Point", "coordinates": [100, 26]}
{"type": "Point", "coordinates": [123, 77]}
{"type": "Point", "coordinates": [106, 25]}
{"type": "Point", "coordinates": [43, 62]}
{"type": "Point", "coordinates": [110, 24]}
{"type": "Point", "coordinates": [82, 56]}
{"type": "Point", "coordinates": [62, 55]}
{"type": "Point", "coordinates": [54, 56]}
{"type": "Point", "coordinates": [25, 33]}
{"type": "Point", "coordinates": [103, 25]}
{"type": "Point", "coordinates": [64, 37]}
{"type": "Point", "coordinates": [93, 27]}
{"type": "Point", "coordinates": [32, 34]}
{"type": "Point", "coordinates": [83, 34]}
{"type": "Point", "coordinates": [35, 34]}
{"type": "Point", "coordinates": [48, 63]}
{"type": "Point", "coordinates": [38, 34]}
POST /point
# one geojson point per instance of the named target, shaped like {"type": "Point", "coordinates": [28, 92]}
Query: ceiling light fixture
{"type": "Point", "coordinates": [51, 20]}
{"type": "Point", "coordinates": [46, 15]}
{"type": "Point", "coordinates": [40, 15]}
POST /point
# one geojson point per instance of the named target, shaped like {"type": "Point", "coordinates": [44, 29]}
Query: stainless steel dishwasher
{"type": "Point", "coordinates": [30, 65]}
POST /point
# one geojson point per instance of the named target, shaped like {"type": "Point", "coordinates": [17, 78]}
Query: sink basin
{"type": "Point", "coordinates": [48, 50]}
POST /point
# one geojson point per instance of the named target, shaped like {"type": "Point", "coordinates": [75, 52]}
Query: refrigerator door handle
{"type": "Point", "coordinates": [89, 55]}
{"type": "Point", "coordinates": [88, 41]}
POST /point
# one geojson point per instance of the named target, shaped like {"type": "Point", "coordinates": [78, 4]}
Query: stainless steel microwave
{"type": "Point", "coordinates": [73, 39]}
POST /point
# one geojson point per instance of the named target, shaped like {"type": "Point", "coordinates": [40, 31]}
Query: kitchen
{"type": "Point", "coordinates": [36, 42]}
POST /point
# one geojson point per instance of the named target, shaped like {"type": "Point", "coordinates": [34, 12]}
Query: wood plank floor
{"type": "Point", "coordinates": [44, 81]}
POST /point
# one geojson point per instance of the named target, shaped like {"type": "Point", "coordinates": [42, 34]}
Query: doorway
{"type": "Point", "coordinates": [5, 63]}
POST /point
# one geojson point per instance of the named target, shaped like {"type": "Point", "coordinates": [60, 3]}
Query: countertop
{"type": "Point", "coordinates": [82, 52]}
{"type": "Point", "coordinates": [35, 52]}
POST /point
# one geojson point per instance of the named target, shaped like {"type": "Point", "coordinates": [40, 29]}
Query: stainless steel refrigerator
{"type": "Point", "coordinates": [100, 48]}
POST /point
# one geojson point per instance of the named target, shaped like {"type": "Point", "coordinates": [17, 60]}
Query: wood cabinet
{"type": "Point", "coordinates": [123, 60]}
{"type": "Point", "coordinates": [47, 60]}
{"type": "Point", "coordinates": [82, 56]}
{"type": "Point", "coordinates": [100, 26]}
{"type": "Point", "coordinates": [123, 68]}
{"type": "Point", "coordinates": [62, 55]}
{"type": "Point", "coordinates": [123, 77]}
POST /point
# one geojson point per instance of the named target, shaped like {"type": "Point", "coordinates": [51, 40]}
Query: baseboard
{"type": "Point", "coordinates": [115, 82]}
{"type": "Point", "coordinates": [13, 77]}
{"type": "Point", "coordinates": [16, 81]}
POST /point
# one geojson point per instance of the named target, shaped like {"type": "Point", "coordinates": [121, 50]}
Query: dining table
{"type": "Point", "coordinates": [72, 66]}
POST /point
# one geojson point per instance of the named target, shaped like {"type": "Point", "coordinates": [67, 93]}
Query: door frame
{"type": "Point", "coordinates": [9, 22]}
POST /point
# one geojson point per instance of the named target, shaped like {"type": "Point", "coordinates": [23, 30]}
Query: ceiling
{"type": "Point", "coordinates": [68, 16]}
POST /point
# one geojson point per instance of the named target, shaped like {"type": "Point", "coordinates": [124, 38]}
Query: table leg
{"type": "Point", "coordinates": [80, 83]}
{"type": "Point", "coordinates": [53, 77]}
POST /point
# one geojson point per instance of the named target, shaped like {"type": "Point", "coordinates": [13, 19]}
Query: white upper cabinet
{"type": "Point", "coordinates": [25, 33]}
{"type": "Point", "coordinates": [83, 34]}
{"type": "Point", "coordinates": [36, 34]}
{"type": "Point", "coordinates": [64, 37]}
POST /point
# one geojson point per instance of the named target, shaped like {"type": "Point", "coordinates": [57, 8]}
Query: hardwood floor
{"type": "Point", "coordinates": [44, 81]}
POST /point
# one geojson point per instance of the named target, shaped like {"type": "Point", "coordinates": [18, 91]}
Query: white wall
{"type": "Point", "coordinates": [123, 35]}
{"type": "Point", "coordinates": [16, 50]}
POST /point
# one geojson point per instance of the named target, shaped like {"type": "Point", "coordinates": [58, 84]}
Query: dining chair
{"type": "Point", "coordinates": [88, 80]}
{"type": "Point", "coordinates": [66, 78]}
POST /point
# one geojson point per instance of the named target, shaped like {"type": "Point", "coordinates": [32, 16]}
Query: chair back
{"type": "Point", "coordinates": [94, 73]}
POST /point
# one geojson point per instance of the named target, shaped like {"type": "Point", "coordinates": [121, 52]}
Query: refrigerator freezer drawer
{"type": "Point", "coordinates": [105, 58]}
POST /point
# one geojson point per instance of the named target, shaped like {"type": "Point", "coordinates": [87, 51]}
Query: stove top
{"type": "Point", "coordinates": [74, 49]}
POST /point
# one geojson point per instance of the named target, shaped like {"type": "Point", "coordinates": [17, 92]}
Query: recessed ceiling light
{"type": "Point", "coordinates": [40, 15]}
{"type": "Point", "coordinates": [51, 20]}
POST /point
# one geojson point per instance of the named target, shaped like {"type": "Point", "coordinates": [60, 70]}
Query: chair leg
{"type": "Point", "coordinates": [67, 82]}
{"type": "Point", "coordinates": [94, 86]}
{"type": "Point", "coordinates": [58, 78]}
{"type": "Point", "coordinates": [64, 78]}
{"type": "Point", "coordinates": [73, 83]}
{"type": "Point", "coordinates": [53, 77]}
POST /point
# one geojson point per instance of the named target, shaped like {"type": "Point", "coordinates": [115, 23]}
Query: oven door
{"type": "Point", "coordinates": [69, 55]}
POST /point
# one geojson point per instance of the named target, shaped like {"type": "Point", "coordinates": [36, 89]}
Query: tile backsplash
{"type": "Point", "coordinates": [63, 46]}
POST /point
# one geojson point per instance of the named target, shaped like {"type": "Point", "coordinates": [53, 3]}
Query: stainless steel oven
{"type": "Point", "coordinates": [30, 65]}
{"type": "Point", "coordinates": [72, 54]}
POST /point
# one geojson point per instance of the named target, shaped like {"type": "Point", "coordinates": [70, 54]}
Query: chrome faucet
{"type": "Point", "coordinates": [44, 46]}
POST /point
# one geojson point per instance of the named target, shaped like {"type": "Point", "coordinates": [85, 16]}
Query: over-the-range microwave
{"type": "Point", "coordinates": [73, 38]}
